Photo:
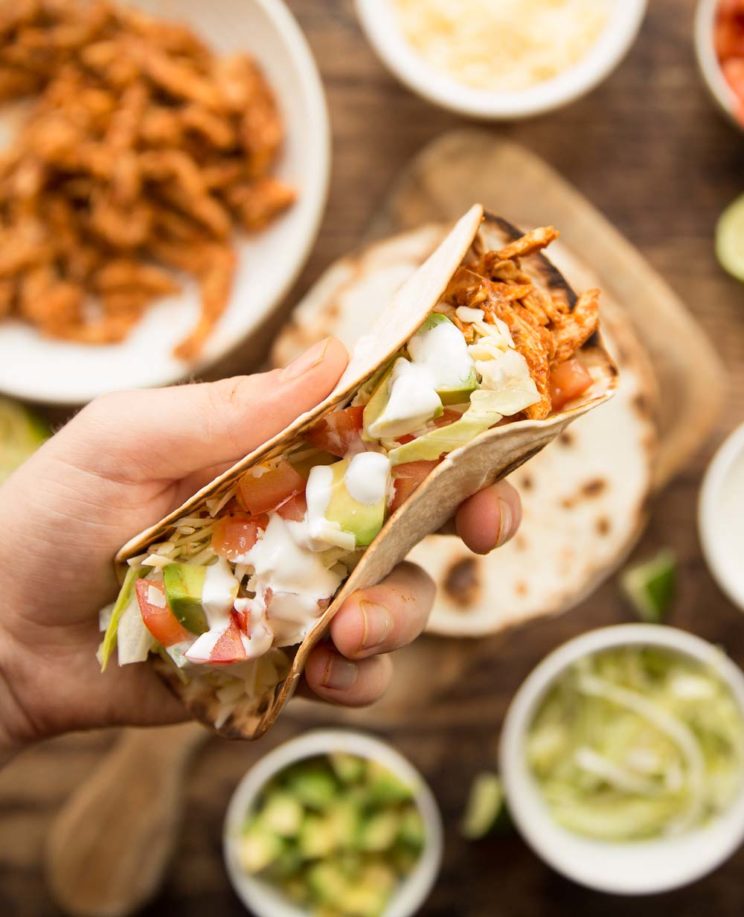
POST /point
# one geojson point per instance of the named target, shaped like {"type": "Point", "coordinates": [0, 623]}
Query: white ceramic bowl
{"type": "Point", "coordinates": [641, 867]}
{"type": "Point", "coordinates": [707, 59]}
{"type": "Point", "coordinates": [721, 516]}
{"type": "Point", "coordinates": [378, 21]}
{"type": "Point", "coordinates": [58, 372]}
{"type": "Point", "coordinates": [261, 898]}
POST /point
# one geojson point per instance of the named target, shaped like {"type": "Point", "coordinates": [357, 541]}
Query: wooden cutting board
{"type": "Point", "coordinates": [470, 165]}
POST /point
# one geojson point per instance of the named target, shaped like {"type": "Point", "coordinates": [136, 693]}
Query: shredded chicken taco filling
{"type": "Point", "coordinates": [244, 579]}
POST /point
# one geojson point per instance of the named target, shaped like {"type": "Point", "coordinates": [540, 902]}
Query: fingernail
{"type": "Point", "coordinates": [507, 523]}
{"type": "Point", "coordinates": [340, 674]}
{"type": "Point", "coordinates": [306, 361]}
{"type": "Point", "coordinates": [377, 622]}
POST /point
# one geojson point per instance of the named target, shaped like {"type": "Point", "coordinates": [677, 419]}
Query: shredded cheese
{"type": "Point", "coordinates": [502, 45]}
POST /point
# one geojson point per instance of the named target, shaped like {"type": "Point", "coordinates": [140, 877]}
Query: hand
{"type": "Point", "coordinates": [123, 462]}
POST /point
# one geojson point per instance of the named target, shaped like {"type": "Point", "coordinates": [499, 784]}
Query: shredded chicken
{"type": "Point", "coordinates": [546, 331]}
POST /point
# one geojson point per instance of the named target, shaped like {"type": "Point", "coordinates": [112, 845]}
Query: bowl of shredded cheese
{"type": "Point", "coordinates": [501, 60]}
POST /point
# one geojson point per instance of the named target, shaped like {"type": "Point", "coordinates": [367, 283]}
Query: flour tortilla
{"type": "Point", "coordinates": [487, 458]}
{"type": "Point", "coordinates": [583, 497]}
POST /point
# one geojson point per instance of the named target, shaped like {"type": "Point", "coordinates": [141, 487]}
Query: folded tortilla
{"type": "Point", "coordinates": [436, 428]}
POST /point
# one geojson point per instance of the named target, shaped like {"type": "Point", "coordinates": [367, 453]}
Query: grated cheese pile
{"type": "Point", "coordinates": [502, 45]}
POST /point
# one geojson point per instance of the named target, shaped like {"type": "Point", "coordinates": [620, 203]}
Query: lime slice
{"type": "Point", "coordinates": [21, 434]}
{"type": "Point", "coordinates": [650, 586]}
{"type": "Point", "coordinates": [730, 239]}
{"type": "Point", "coordinates": [484, 806]}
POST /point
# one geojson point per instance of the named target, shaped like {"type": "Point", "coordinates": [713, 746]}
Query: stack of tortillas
{"type": "Point", "coordinates": [583, 496]}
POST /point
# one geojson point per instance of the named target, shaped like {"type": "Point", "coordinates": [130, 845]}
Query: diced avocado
{"type": "Point", "coordinates": [184, 584]}
{"type": "Point", "coordinates": [362, 520]}
{"type": "Point", "coordinates": [412, 827]}
{"type": "Point", "coordinates": [348, 768]}
{"type": "Point", "coordinates": [484, 806]}
{"type": "Point", "coordinates": [384, 787]}
{"type": "Point", "coordinates": [297, 889]}
{"type": "Point", "coordinates": [343, 818]}
{"type": "Point", "coordinates": [313, 786]}
{"type": "Point", "coordinates": [370, 894]}
{"type": "Point", "coordinates": [428, 405]}
{"type": "Point", "coordinates": [450, 391]}
{"type": "Point", "coordinates": [283, 814]}
{"type": "Point", "coordinates": [379, 831]}
{"type": "Point", "coordinates": [317, 838]}
{"type": "Point", "coordinates": [286, 865]}
{"type": "Point", "coordinates": [429, 446]}
{"type": "Point", "coordinates": [327, 884]}
{"type": "Point", "coordinates": [259, 848]}
{"type": "Point", "coordinates": [403, 858]}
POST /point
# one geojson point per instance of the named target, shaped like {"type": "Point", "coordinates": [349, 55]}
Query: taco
{"type": "Point", "coordinates": [481, 358]}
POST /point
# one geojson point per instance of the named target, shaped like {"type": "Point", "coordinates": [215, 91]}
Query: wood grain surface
{"type": "Point", "coordinates": [650, 151]}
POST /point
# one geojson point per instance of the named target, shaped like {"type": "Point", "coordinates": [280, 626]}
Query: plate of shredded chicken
{"type": "Point", "coordinates": [163, 170]}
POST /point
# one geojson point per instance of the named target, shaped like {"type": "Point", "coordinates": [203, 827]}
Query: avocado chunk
{"type": "Point", "coordinates": [312, 786]}
{"type": "Point", "coordinates": [184, 584]}
{"type": "Point", "coordinates": [412, 827]}
{"type": "Point", "coordinates": [348, 768]}
{"type": "Point", "coordinates": [384, 788]}
{"type": "Point", "coordinates": [283, 814]}
{"type": "Point", "coordinates": [485, 810]}
{"type": "Point", "coordinates": [380, 830]}
{"type": "Point", "coordinates": [317, 837]}
{"type": "Point", "coordinates": [429, 446]}
{"type": "Point", "coordinates": [403, 401]}
{"type": "Point", "coordinates": [452, 367]}
{"type": "Point", "coordinates": [362, 520]}
{"type": "Point", "coordinates": [259, 847]}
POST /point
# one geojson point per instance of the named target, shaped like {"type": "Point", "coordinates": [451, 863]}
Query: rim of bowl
{"type": "Point", "coordinates": [708, 64]}
{"type": "Point", "coordinates": [630, 868]}
{"type": "Point", "coordinates": [616, 39]}
{"type": "Point", "coordinates": [260, 897]}
{"type": "Point", "coordinates": [709, 523]}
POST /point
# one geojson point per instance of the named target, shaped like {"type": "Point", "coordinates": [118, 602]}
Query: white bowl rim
{"type": "Point", "coordinates": [708, 518]}
{"type": "Point", "coordinates": [636, 868]}
{"type": "Point", "coordinates": [315, 197]}
{"type": "Point", "coordinates": [261, 898]}
{"type": "Point", "coordinates": [707, 58]}
{"type": "Point", "coordinates": [614, 42]}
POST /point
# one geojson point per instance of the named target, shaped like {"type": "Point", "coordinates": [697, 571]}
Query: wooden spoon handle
{"type": "Point", "coordinates": [112, 841]}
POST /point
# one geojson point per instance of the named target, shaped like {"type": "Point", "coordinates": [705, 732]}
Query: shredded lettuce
{"type": "Point", "coordinates": [637, 743]}
{"type": "Point", "coordinates": [125, 593]}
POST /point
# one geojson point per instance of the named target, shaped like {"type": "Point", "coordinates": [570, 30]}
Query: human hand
{"type": "Point", "coordinates": [123, 462]}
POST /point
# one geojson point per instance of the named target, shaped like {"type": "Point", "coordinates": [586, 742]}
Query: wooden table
{"type": "Point", "coordinates": [650, 151]}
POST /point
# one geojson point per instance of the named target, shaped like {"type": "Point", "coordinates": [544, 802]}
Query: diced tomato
{"type": "Point", "coordinates": [407, 477]}
{"type": "Point", "coordinates": [294, 509]}
{"type": "Point", "coordinates": [159, 620]}
{"type": "Point", "coordinates": [243, 620]}
{"type": "Point", "coordinates": [229, 647]}
{"type": "Point", "coordinates": [733, 70]}
{"type": "Point", "coordinates": [234, 535]}
{"type": "Point", "coordinates": [264, 493]}
{"type": "Point", "coordinates": [568, 380]}
{"type": "Point", "coordinates": [338, 431]}
{"type": "Point", "coordinates": [729, 38]}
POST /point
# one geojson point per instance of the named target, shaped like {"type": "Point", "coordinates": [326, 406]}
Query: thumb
{"type": "Point", "coordinates": [170, 433]}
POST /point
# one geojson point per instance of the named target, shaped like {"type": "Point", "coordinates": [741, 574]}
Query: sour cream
{"type": "Point", "coordinates": [218, 593]}
{"type": "Point", "coordinates": [412, 401]}
{"type": "Point", "coordinates": [367, 477]}
{"type": "Point", "coordinates": [444, 352]}
{"type": "Point", "coordinates": [316, 533]}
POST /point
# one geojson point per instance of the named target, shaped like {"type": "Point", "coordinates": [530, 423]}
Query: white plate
{"type": "Point", "coordinates": [58, 372]}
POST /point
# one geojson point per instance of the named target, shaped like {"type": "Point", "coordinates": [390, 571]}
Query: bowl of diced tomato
{"type": "Point", "coordinates": [719, 44]}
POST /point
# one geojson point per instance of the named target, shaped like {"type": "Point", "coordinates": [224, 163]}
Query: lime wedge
{"type": "Point", "coordinates": [730, 239]}
{"type": "Point", "coordinates": [484, 806]}
{"type": "Point", "coordinates": [650, 586]}
{"type": "Point", "coordinates": [21, 433]}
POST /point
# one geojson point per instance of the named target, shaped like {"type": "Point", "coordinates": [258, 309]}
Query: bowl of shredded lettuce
{"type": "Point", "coordinates": [622, 758]}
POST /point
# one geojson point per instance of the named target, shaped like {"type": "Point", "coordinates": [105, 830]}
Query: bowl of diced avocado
{"type": "Point", "coordinates": [333, 824]}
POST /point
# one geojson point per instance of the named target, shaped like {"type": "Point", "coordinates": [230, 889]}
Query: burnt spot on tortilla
{"type": "Point", "coordinates": [520, 588]}
{"type": "Point", "coordinates": [594, 487]}
{"type": "Point", "coordinates": [602, 525]}
{"type": "Point", "coordinates": [566, 439]}
{"type": "Point", "coordinates": [520, 542]}
{"type": "Point", "coordinates": [526, 482]}
{"type": "Point", "coordinates": [462, 582]}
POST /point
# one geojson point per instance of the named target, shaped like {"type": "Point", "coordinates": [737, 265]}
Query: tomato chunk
{"type": "Point", "coordinates": [157, 616]}
{"type": "Point", "coordinates": [294, 509]}
{"type": "Point", "coordinates": [568, 380]}
{"type": "Point", "coordinates": [407, 477]}
{"type": "Point", "coordinates": [338, 431]}
{"type": "Point", "coordinates": [234, 536]}
{"type": "Point", "coordinates": [229, 647]}
{"type": "Point", "coordinates": [275, 486]}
